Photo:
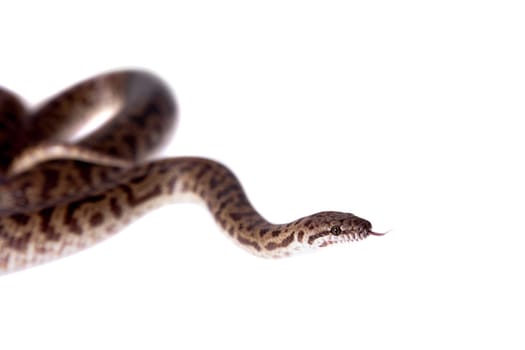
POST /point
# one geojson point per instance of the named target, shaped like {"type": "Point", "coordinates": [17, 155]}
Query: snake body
{"type": "Point", "coordinates": [60, 194]}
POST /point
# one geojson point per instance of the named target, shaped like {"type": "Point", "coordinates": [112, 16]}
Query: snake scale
{"type": "Point", "coordinates": [61, 192]}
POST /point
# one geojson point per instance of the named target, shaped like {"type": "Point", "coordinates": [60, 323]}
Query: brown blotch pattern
{"type": "Point", "coordinates": [115, 207]}
{"type": "Point", "coordinates": [312, 238]}
{"type": "Point", "coordinates": [249, 242]}
{"type": "Point", "coordinates": [283, 244]}
{"type": "Point", "coordinates": [20, 218]}
{"type": "Point", "coordinates": [263, 232]}
{"type": "Point", "coordinates": [96, 219]}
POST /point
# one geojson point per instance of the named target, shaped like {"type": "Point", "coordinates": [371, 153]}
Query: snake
{"type": "Point", "coordinates": [64, 188]}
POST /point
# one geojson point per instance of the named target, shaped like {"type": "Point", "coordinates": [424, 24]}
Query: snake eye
{"type": "Point", "coordinates": [335, 230]}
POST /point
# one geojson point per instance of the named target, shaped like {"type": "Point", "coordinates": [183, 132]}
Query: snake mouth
{"type": "Point", "coordinates": [343, 239]}
{"type": "Point", "coordinates": [351, 237]}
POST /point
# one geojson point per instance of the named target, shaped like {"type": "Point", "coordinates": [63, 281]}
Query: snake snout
{"type": "Point", "coordinates": [367, 227]}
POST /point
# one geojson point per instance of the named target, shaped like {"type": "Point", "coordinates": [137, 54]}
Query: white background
{"type": "Point", "coordinates": [407, 113]}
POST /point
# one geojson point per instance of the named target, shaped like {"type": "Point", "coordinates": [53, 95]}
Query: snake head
{"type": "Point", "coordinates": [331, 227]}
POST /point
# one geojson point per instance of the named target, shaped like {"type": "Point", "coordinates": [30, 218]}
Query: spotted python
{"type": "Point", "coordinates": [61, 191]}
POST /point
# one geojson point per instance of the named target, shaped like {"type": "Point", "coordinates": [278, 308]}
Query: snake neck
{"type": "Point", "coordinates": [219, 189]}
{"type": "Point", "coordinates": [151, 185]}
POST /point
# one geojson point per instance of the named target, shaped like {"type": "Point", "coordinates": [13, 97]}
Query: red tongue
{"type": "Point", "coordinates": [377, 233]}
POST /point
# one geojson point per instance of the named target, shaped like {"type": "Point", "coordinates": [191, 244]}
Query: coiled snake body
{"type": "Point", "coordinates": [60, 194]}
